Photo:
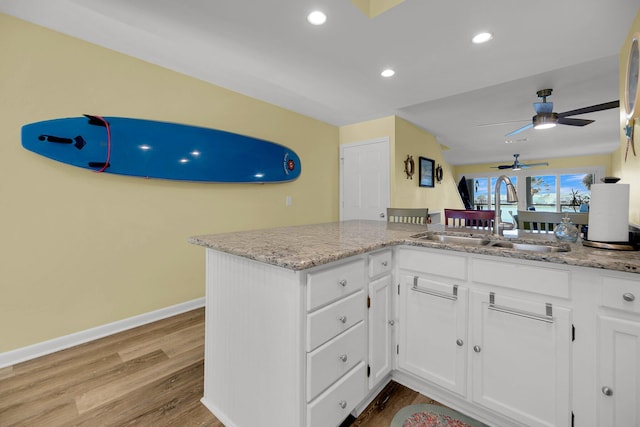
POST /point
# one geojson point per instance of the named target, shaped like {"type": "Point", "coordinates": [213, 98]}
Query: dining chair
{"type": "Point", "coordinates": [408, 215]}
{"type": "Point", "coordinates": [546, 221]}
{"type": "Point", "coordinates": [468, 218]}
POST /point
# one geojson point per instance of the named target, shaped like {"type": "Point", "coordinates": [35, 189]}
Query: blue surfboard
{"type": "Point", "coordinates": [153, 149]}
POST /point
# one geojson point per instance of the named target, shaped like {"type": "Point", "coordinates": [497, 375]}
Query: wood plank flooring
{"type": "Point", "coordinates": [147, 376]}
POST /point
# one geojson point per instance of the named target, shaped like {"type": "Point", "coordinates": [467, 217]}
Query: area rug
{"type": "Point", "coordinates": [424, 415]}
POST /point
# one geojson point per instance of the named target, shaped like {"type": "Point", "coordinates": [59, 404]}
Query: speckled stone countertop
{"type": "Point", "coordinates": [305, 246]}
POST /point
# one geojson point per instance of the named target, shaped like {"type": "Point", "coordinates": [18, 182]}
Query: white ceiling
{"type": "Point", "coordinates": [444, 83]}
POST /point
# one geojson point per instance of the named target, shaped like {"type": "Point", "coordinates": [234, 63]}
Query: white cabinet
{"type": "Point", "coordinates": [381, 319]}
{"type": "Point", "coordinates": [433, 331]}
{"type": "Point", "coordinates": [520, 352]}
{"type": "Point", "coordinates": [619, 353]}
{"type": "Point", "coordinates": [473, 328]}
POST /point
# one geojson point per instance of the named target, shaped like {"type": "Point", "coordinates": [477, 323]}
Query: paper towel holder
{"type": "Point", "coordinates": [610, 179]}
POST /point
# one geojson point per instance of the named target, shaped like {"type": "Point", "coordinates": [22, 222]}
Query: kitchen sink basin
{"type": "Point", "coordinates": [529, 247]}
{"type": "Point", "coordinates": [458, 240]}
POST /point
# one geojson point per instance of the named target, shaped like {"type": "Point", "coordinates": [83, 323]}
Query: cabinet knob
{"type": "Point", "coordinates": [607, 391]}
{"type": "Point", "coordinates": [384, 263]}
{"type": "Point", "coordinates": [392, 322]}
{"type": "Point", "coordinates": [343, 282]}
{"type": "Point", "coordinates": [628, 297]}
{"type": "Point", "coordinates": [343, 319]}
{"type": "Point", "coordinates": [342, 404]}
{"type": "Point", "coordinates": [460, 342]}
{"type": "Point", "coordinates": [343, 357]}
{"type": "Point", "coordinates": [477, 348]}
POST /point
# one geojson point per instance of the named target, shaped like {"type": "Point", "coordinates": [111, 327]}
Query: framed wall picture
{"type": "Point", "coordinates": [426, 172]}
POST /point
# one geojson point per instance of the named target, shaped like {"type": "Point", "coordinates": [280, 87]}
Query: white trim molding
{"type": "Point", "coordinates": [56, 344]}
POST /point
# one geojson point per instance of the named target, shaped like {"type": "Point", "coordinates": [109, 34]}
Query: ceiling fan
{"type": "Point", "coordinates": [516, 165]}
{"type": "Point", "coordinates": [546, 118]}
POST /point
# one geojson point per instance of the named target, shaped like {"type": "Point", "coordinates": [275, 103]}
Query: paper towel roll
{"type": "Point", "coordinates": [609, 213]}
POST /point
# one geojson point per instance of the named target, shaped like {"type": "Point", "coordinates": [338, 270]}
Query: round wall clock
{"type": "Point", "coordinates": [632, 78]}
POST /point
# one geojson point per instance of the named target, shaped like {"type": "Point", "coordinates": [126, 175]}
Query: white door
{"type": "Point", "coordinates": [619, 371]}
{"type": "Point", "coordinates": [364, 179]}
{"type": "Point", "coordinates": [380, 330]}
{"type": "Point", "coordinates": [521, 359]}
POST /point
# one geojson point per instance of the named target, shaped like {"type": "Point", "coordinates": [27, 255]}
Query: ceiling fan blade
{"type": "Point", "coordinates": [574, 122]}
{"type": "Point", "coordinates": [528, 165]}
{"type": "Point", "coordinates": [543, 107]}
{"type": "Point", "coordinates": [593, 108]}
{"type": "Point", "coordinates": [502, 167]}
{"type": "Point", "coordinates": [502, 123]}
{"type": "Point", "coordinates": [529, 126]}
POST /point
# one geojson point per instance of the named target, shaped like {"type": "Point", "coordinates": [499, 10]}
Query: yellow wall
{"type": "Point", "coordinates": [556, 163]}
{"type": "Point", "coordinates": [629, 170]}
{"type": "Point", "coordinates": [407, 139]}
{"type": "Point", "coordinates": [81, 249]}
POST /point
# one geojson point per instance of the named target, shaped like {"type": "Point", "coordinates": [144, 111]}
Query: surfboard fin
{"type": "Point", "coordinates": [93, 120]}
{"type": "Point", "coordinates": [99, 165]}
{"type": "Point", "coordinates": [56, 139]}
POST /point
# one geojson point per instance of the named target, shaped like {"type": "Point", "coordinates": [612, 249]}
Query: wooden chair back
{"type": "Point", "coordinates": [468, 218]}
{"type": "Point", "coordinates": [408, 215]}
{"type": "Point", "coordinates": [546, 221]}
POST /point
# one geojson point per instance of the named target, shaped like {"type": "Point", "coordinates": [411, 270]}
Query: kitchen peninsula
{"type": "Point", "coordinates": [306, 324]}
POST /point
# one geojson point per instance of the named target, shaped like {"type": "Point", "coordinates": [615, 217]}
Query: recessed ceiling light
{"type": "Point", "coordinates": [482, 38]}
{"type": "Point", "coordinates": [317, 18]}
{"type": "Point", "coordinates": [387, 72]}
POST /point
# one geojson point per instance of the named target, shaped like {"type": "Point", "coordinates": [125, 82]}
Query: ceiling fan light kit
{"type": "Point", "coordinates": [545, 120]}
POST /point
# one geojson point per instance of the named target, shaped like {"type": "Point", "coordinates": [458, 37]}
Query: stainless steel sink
{"type": "Point", "coordinates": [458, 240]}
{"type": "Point", "coordinates": [528, 247]}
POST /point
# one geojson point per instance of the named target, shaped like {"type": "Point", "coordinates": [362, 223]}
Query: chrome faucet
{"type": "Point", "coordinates": [512, 197]}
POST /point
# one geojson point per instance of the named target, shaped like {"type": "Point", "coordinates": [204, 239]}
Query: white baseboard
{"type": "Point", "coordinates": [51, 346]}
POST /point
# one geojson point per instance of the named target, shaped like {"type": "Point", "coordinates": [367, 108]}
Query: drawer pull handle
{"type": "Point", "coordinates": [607, 391]}
{"type": "Point", "coordinates": [452, 297]}
{"type": "Point", "coordinates": [342, 404]}
{"type": "Point", "coordinates": [628, 297]}
{"type": "Point", "coordinates": [548, 317]}
{"type": "Point", "coordinates": [343, 282]}
{"type": "Point", "coordinates": [460, 342]}
{"type": "Point", "coordinates": [343, 357]}
{"type": "Point", "coordinates": [343, 319]}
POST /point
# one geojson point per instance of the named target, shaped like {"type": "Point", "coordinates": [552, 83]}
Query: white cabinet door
{"type": "Point", "coordinates": [521, 359]}
{"type": "Point", "coordinates": [380, 329]}
{"type": "Point", "coordinates": [619, 372]}
{"type": "Point", "coordinates": [433, 331]}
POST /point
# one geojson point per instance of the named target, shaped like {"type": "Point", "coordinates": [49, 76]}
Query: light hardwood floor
{"type": "Point", "coordinates": [148, 376]}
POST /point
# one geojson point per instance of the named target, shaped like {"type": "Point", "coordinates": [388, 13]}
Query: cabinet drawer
{"type": "Point", "coordinates": [536, 279]}
{"type": "Point", "coordinates": [623, 294]}
{"type": "Point", "coordinates": [379, 263]}
{"type": "Point", "coordinates": [328, 285]}
{"type": "Point", "coordinates": [329, 362]}
{"type": "Point", "coordinates": [439, 263]}
{"type": "Point", "coordinates": [335, 404]}
{"type": "Point", "coordinates": [329, 321]}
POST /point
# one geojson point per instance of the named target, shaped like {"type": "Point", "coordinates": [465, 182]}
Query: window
{"type": "Point", "coordinates": [563, 190]}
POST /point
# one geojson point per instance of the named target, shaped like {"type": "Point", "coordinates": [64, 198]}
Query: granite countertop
{"type": "Point", "coordinates": [305, 246]}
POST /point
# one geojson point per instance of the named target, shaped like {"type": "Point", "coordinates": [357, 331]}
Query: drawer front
{"type": "Point", "coordinates": [329, 321]}
{"type": "Point", "coordinates": [379, 263]}
{"type": "Point", "coordinates": [537, 279]}
{"type": "Point", "coordinates": [623, 294]}
{"type": "Point", "coordinates": [335, 404]}
{"type": "Point", "coordinates": [332, 360]}
{"type": "Point", "coordinates": [328, 285]}
{"type": "Point", "coordinates": [439, 263]}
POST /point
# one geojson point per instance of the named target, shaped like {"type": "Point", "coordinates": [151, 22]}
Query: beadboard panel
{"type": "Point", "coordinates": [266, 366]}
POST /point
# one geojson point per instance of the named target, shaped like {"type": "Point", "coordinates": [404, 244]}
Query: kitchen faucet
{"type": "Point", "coordinates": [512, 197]}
